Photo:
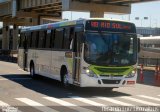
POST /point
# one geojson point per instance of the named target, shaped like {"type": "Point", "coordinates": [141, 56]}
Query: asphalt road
{"type": "Point", "coordinates": [19, 92]}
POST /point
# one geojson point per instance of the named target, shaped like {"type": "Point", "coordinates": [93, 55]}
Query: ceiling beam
{"type": "Point", "coordinates": [81, 6]}
{"type": "Point", "coordinates": [22, 14]}
{"type": "Point", "coordinates": [119, 1]}
{"type": "Point", "coordinates": [17, 21]}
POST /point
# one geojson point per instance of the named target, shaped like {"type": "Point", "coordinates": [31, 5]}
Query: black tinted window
{"type": "Point", "coordinates": [29, 39]}
{"type": "Point", "coordinates": [58, 42]}
{"type": "Point", "coordinates": [42, 39]}
{"type": "Point", "coordinates": [22, 37]}
{"type": "Point", "coordinates": [48, 39]}
{"type": "Point", "coordinates": [34, 39]}
{"type": "Point", "coordinates": [66, 42]}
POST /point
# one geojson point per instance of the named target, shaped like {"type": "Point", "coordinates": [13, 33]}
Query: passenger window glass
{"type": "Point", "coordinates": [52, 38]}
{"type": "Point", "coordinates": [22, 37]}
{"type": "Point", "coordinates": [48, 39]}
{"type": "Point", "coordinates": [58, 42]}
{"type": "Point", "coordinates": [42, 39]}
{"type": "Point", "coordinates": [71, 37]}
{"type": "Point", "coordinates": [34, 39]}
{"type": "Point", "coordinates": [29, 39]}
{"type": "Point", "coordinates": [66, 41]}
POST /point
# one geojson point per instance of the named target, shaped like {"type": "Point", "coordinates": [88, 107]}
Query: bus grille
{"type": "Point", "coordinates": [105, 81]}
{"type": "Point", "coordinates": [112, 70]}
{"type": "Point", "coordinates": [109, 75]}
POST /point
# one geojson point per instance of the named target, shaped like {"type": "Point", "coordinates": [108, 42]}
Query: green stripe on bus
{"type": "Point", "coordinates": [111, 70]}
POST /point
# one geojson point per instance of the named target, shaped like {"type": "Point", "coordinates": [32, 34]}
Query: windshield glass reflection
{"type": "Point", "coordinates": [110, 49]}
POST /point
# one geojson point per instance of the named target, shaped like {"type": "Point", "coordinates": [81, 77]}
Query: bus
{"type": "Point", "coordinates": [85, 52]}
{"type": "Point", "coordinates": [1, 38]}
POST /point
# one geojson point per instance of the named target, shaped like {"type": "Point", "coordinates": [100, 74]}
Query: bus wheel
{"type": "Point", "coordinates": [32, 71]}
{"type": "Point", "coordinates": [65, 80]}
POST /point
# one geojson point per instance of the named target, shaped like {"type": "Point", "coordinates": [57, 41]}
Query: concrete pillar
{"type": "Point", "coordinates": [5, 37]}
{"type": "Point", "coordinates": [15, 37]}
{"type": "Point", "coordinates": [94, 14]}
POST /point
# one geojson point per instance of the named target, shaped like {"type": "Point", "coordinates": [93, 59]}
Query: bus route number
{"type": "Point", "coordinates": [109, 25]}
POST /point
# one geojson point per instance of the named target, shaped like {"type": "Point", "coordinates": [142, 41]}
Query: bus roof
{"type": "Point", "coordinates": [52, 25]}
{"type": "Point", "coordinates": [64, 23]}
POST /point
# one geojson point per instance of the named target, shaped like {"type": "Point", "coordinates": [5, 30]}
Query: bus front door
{"type": "Point", "coordinates": [77, 58]}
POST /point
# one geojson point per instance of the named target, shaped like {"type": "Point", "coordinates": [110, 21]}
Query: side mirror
{"type": "Point", "coordinates": [139, 44]}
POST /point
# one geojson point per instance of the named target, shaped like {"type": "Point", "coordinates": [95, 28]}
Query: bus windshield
{"type": "Point", "coordinates": [110, 49]}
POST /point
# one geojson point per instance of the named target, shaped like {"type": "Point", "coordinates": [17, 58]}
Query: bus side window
{"type": "Point", "coordinates": [30, 39]}
{"type": "Point", "coordinates": [28, 36]}
{"type": "Point", "coordinates": [58, 43]}
{"type": "Point", "coordinates": [37, 39]}
{"type": "Point", "coordinates": [80, 40]}
{"type": "Point", "coordinates": [66, 40]}
{"type": "Point", "coordinates": [48, 39]}
{"type": "Point", "coordinates": [21, 40]}
{"type": "Point", "coordinates": [52, 38]}
{"type": "Point", "coordinates": [45, 36]}
{"type": "Point", "coordinates": [34, 36]}
{"type": "Point", "coordinates": [71, 37]}
{"type": "Point", "coordinates": [41, 42]}
{"type": "Point", "coordinates": [25, 41]}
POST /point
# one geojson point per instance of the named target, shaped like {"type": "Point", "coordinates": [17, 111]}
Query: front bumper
{"type": "Point", "coordinates": [87, 81]}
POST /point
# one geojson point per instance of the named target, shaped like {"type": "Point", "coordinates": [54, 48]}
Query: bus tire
{"type": "Point", "coordinates": [32, 71]}
{"type": "Point", "coordinates": [64, 77]}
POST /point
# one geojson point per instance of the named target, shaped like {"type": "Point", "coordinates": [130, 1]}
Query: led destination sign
{"type": "Point", "coordinates": [115, 26]}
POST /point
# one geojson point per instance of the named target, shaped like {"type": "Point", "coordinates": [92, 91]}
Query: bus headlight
{"type": "Point", "coordinates": [90, 73]}
{"type": "Point", "coordinates": [132, 74]}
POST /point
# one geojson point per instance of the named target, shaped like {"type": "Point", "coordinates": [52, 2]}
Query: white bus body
{"type": "Point", "coordinates": [71, 67]}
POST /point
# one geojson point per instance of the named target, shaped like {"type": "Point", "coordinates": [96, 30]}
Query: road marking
{"type": "Point", "coordinates": [149, 97]}
{"type": "Point", "coordinates": [3, 104]}
{"type": "Point", "coordinates": [140, 101]}
{"type": "Point", "coordinates": [86, 101]}
{"type": "Point", "coordinates": [61, 102]}
{"type": "Point", "coordinates": [67, 104]}
{"type": "Point", "coordinates": [36, 105]}
{"type": "Point", "coordinates": [115, 101]}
